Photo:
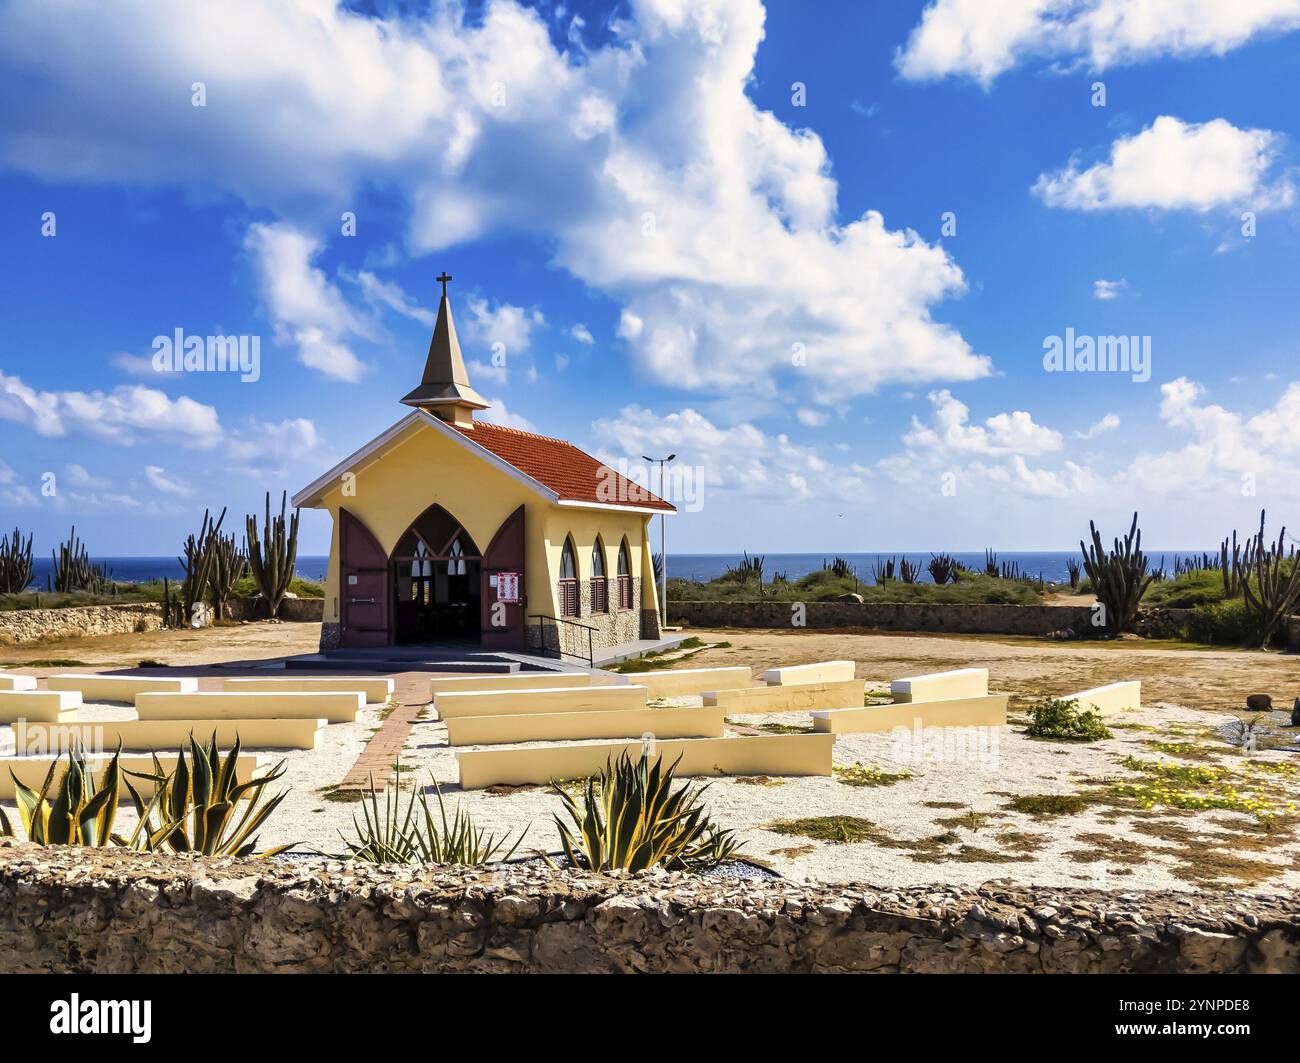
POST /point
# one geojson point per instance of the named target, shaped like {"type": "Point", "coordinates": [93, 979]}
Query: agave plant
{"type": "Point", "coordinates": [631, 819]}
{"type": "Point", "coordinates": [390, 836]}
{"type": "Point", "coordinates": [198, 805]}
{"type": "Point", "coordinates": [79, 811]}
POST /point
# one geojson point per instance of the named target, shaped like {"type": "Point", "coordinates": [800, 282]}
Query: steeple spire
{"type": "Point", "coordinates": [445, 390]}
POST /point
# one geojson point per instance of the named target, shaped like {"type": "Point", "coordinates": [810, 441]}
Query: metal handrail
{"type": "Point", "coordinates": [557, 620]}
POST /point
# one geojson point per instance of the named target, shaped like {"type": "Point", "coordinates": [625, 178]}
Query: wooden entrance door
{"type": "Point", "coordinates": [503, 622]}
{"type": "Point", "coordinates": [363, 585]}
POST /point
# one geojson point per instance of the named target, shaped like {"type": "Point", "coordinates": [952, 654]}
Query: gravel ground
{"type": "Point", "coordinates": [946, 818]}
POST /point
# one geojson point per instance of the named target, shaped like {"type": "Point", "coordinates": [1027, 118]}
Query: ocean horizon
{"type": "Point", "coordinates": [1050, 564]}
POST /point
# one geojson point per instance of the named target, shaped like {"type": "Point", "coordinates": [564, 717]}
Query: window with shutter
{"type": "Point", "coordinates": [599, 584]}
{"type": "Point", "coordinates": [567, 592]}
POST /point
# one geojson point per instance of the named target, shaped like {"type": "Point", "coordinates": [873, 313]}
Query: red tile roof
{"type": "Point", "coordinates": [571, 473]}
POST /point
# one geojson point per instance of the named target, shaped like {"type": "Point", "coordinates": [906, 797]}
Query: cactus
{"type": "Point", "coordinates": [944, 569]}
{"type": "Point", "coordinates": [197, 563]}
{"type": "Point", "coordinates": [73, 570]}
{"type": "Point", "coordinates": [15, 563]}
{"type": "Point", "coordinates": [909, 571]}
{"type": "Point", "coordinates": [1119, 578]}
{"type": "Point", "coordinates": [227, 568]}
{"type": "Point", "coordinates": [1072, 566]}
{"type": "Point", "coordinates": [271, 558]}
{"type": "Point", "coordinates": [990, 563]}
{"type": "Point", "coordinates": [1274, 592]}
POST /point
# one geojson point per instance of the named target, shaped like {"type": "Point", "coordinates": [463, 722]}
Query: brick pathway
{"type": "Point", "coordinates": [411, 692]}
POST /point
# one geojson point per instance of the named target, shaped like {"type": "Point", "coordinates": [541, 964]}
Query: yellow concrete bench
{"type": "Point", "coordinates": [50, 738]}
{"type": "Point", "coordinates": [797, 697]}
{"type": "Point", "coordinates": [820, 672]}
{"type": "Point", "coordinates": [47, 706]}
{"type": "Point", "coordinates": [336, 706]}
{"type": "Point", "coordinates": [518, 702]}
{"type": "Point", "coordinates": [120, 687]}
{"type": "Point", "coordinates": [1113, 697]}
{"type": "Point", "coordinates": [674, 683]}
{"type": "Point", "coordinates": [808, 754]}
{"type": "Point", "coordinates": [988, 711]}
{"type": "Point", "coordinates": [942, 686]}
{"type": "Point", "coordinates": [559, 726]}
{"type": "Point", "coordinates": [376, 690]}
{"type": "Point", "coordinates": [31, 771]}
{"type": "Point", "coordinates": [17, 682]}
{"type": "Point", "coordinates": [449, 684]}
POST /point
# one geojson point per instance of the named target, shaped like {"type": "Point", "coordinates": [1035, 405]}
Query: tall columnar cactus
{"type": "Point", "coordinates": [1272, 586]}
{"type": "Point", "coordinates": [73, 570]}
{"type": "Point", "coordinates": [271, 558]}
{"type": "Point", "coordinates": [227, 568]}
{"type": "Point", "coordinates": [15, 563]}
{"type": "Point", "coordinates": [1119, 578]}
{"type": "Point", "coordinates": [1236, 565]}
{"type": "Point", "coordinates": [197, 563]}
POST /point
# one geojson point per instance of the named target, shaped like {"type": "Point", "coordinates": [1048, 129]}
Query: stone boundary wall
{"type": "Point", "coordinates": [79, 621]}
{"type": "Point", "coordinates": [83, 911]}
{"type": "Point", "coordinates": [48, 625]}
{"type": "Point", "coordinates": [907, 616]}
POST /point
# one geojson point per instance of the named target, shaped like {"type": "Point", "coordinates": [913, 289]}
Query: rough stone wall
{"type": "Point", "coordinates": [65, 910]}
{"type": "Point", "coordinates": [49, 625]}
{"type": "Point", "coordinates": [910, 616]}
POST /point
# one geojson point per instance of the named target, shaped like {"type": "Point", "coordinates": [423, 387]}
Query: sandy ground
{"type": "Point", "coordinates": [946, 816]}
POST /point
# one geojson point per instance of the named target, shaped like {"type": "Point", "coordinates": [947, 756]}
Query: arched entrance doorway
{"type": "Point", "coordinates": [437, 592]}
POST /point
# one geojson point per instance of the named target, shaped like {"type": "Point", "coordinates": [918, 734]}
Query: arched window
{"type": "Point", "coordinates": [456, 558]}
{"type": "Point", "coordinates": [624, 576]}
{"type": "Point", "coordinates": [599, 584]}
{"type": "Point", "coordinates": [568, 586]}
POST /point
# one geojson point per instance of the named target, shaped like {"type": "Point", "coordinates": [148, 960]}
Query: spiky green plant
{"type": "Point", "coordinates": [1272, 587]}
{"type": "Point", "coordinates": [1119, 577]}
{"type": "Point", "coordinates": [79, 811]}
{"type": "Point", "coordinates": [272, 556]}
{"type": "Point", "coordinates": [226, 568]}
{"type": "Point", "coordinates": [198, 805]}
{"type": "Point", "coordinates": [944, 569]}
{"type": "Point", "coordinates": [388, 835]}
{"type": "Point", "coordinates": [73, 570]}
{"type": "Point", "coordinates": [631, 819]}
{"type": "Point", "coordinates": [15, 563]}
{"type": "Point", "coordinates": [197, 562]}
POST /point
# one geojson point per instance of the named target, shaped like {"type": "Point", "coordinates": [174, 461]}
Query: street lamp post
{"type": "Point", "coordinates": [663, 539]}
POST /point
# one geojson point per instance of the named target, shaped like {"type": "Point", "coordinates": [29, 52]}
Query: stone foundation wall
{"type": "Point", "coordinates": [910, 616]}
{"type": "Point", "coordinates": [77, 911]}
{"type": "Point", "coordinates": [50, 625]}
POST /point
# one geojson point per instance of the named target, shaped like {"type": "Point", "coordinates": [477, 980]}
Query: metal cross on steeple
{"type": "Point", "coordinates": [443, 279]}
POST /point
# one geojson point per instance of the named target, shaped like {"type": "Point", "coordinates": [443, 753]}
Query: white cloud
{"type": "Point", "coordinates": [1003, 433]}
{"type": "Point", "coordinates": [1224, 446]}
{"type": "Point", "coordinates": [1108, 423]}
{"type": "Point", "coordinates": [643, 163]}
{"type": "Point", "coordinates": [80, 476]}
{"type": "Point", "coordinates": [981, 39]}
{"type": "Point", "coordinates": [561, 362]}
{"type": "Point", "coordinates": [480, 371]}
{"type": "Point", "coordinates": [140, 365]}
{"type": "Point", "coordinates": [168, 485]}
{"type": "Point", "coordinates": [582, 334]}
{"type": "Point", "coordinates": [498, 414]}
{"type": "Point", "coordinates": [510, 326]}
{"type": "Point", "coordinates": [740, 458]}
{"type": "Point", "coordinates": [275, 445]}
{"type": "Point", "coordinates": [120, 416]}
{"type": "Point", "coordinates": [983, 457]}
{"type": "Point", "coordinates": [1108, 290]}
{"type": "Point", "coordinates": [306, 309]}
{"type": "Point", "coordinates": [1174, 165]}
{"type": "Point", "coordinates": [380, 293]}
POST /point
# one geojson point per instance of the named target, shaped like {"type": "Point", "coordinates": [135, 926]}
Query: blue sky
{"type": "Point", "coordinates": [714, 228]}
